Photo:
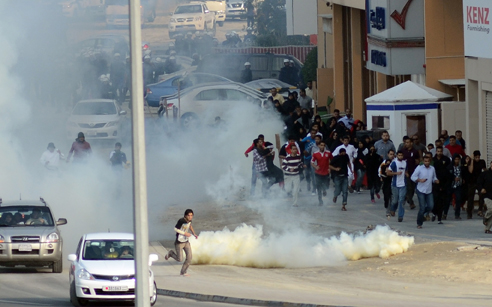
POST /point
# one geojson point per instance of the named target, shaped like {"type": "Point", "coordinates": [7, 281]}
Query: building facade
{"type": "Point", "coordinates": [377, 44]}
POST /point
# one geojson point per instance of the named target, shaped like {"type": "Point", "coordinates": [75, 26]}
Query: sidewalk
{"type": "Point", "coordinates": [367, 282]}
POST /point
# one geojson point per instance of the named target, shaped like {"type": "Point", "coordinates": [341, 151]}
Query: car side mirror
{"type": "Point", "coordinates": [122, 112]}
{"type": "Point", "coordinates": [72, 257]}
{"type": "Point", "coordinates": [153, 258]}
{"type": "Point", "coordinates": [61, 221]}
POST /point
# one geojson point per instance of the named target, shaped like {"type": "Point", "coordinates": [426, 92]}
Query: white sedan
{"type": "Point", "coordinates": [103, 268]}
{"type": "Point", "coordinates": [96, 118]}
{"type": "Point", "coordinates": [205, 102]}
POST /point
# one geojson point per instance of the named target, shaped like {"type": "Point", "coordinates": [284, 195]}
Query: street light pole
{"type": "Point", "coordinates": [141, 228]}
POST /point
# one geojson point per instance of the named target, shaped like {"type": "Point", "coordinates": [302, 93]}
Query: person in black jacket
{"type": "Point", "coordinates": [456, 171]}
{"type": "Point", "coordinates": [360, 165]}
{"type": "Point", "coordinates": [372, 162]}
{"type": "Point", "coordinates": [441, 164]}
{"type": "Point", "coordinates": [484, 185]}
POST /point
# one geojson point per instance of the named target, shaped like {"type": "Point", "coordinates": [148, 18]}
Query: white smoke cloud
{"type": "Point", "coordinates": [248, 246]}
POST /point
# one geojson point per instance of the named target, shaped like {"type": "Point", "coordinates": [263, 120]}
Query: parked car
{"type": "Point", "coordinates": [235, 9]}
{"type": "Point", "coordinates": [106, 44]}
{"type": "Point", "coordinates": [265, 85]}
{"type": "Point", "coordinates": [170, 86]}
{"type": "Point", "coordinates": [29, 235]}
{"type": "Point", "coordinates": [78, 8]}
{"type": "Point", "coordinates": [229, 65]}
{"type": "Point", "coordinates": [219, 7]}
{"type": "Point", "coordinates": [204, 102]}
{"type": "Point", "coordinates": [194, 16]}
{"type": "Point", "coordinates": [103, 269]}
{"type": "Point", "coordinates": [118, 14]}
{"type": "Point", "coordinates": [96, 118]}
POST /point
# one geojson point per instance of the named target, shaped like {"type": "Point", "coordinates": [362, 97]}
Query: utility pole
{"type": "Point", "coordinates": [140, 224]}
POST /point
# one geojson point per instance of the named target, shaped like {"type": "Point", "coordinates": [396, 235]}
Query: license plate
{"type": "Point", "coordinates": [25, 248]}
{"type": "Point", "coordinates": [115, 288]}
{"type": "Point", "coordinates": [90, 133]}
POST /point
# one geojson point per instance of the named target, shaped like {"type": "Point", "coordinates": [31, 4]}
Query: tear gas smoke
{"type": "Point", "coordinates": [247, 246]}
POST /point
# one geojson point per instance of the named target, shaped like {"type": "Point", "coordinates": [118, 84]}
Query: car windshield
{"type": "Point", "coordinates": [188, 9]}
{"type": "Point", "coordinates": [25, 216]}
{"type": "Point", "coordinates": [108, 250]}
{"type": "Point", "coordinates": [94, 108]}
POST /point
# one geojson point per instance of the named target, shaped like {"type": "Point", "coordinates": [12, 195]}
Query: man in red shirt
{"type": "Point", "coordinates": [454, 148]}
{"type": "Point", "coordinates": [321, 165]}
{"type": "Point", "coordinates": [81, 150]}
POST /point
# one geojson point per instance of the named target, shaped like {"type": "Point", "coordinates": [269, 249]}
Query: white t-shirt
{"type": "Point", "coordinates": [52, 157]}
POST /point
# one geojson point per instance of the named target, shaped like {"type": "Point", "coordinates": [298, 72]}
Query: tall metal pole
{"type": "Point", "coordinates": [141, 227]}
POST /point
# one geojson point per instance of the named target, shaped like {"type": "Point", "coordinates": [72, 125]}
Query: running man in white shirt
{"type": "Point", "coordinates": [51, 157]}
{"type": "Point", "coordinates": [424, 175]}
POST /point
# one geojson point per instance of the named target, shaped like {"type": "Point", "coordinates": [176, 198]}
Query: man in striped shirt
{"type": "Point", "coordinates": [292, 165]}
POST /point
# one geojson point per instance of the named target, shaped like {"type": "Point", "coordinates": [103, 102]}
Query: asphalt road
{"type": "Point", "coordinates": [32, 287]}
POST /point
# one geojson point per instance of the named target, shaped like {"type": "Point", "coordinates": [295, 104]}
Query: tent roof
{"type": "Point", "coordinates": [409, 92]}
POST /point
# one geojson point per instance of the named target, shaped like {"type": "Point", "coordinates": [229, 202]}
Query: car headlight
{"type": "Point", "coordinates": [198, 18]}
{"type": "Point", "coordinates": [111, 124]}
{"type": "Point", "coordinates": [52, 237]}
{"type": "Point", "coordinates": [2, 239]}
{"type": "Point", "coordinates": [84, 274]}
{"type": "Point", "coordinates": [173, 20]}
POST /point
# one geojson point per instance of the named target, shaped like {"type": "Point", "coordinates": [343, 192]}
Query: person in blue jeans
{"type": "Point", "coordinates": [424, 175]}
{"type": "Point", "coordinates": [398, 169]}
{"type": "Point", "coordinates": [340, 166]}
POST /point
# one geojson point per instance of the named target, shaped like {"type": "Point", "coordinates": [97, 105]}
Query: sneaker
{"type": "Point", "coordinates": [440, 223]}
{"type": "Point", "coordinates": [427, 217]}
{"type": "Point", "coordinates": [334, 199]}
{"type": "Point", "coordinates": [167, 256]}
{"type": "Point", "coordinates": [392, 213]}
{"type": "Point", "coordinates": [419, 227]}
{"type": "Point", "coordinates": [412, 206]}
{"type": "Point", "coordinates": [373, 201]}
{"type": "Point", "coordinates": [378, 196]}
{"type": "Point", "coordinates": [314, 193]}
{"type": "Point", "coordinates": [433, 217]}
{"type": "Point", "coordinates": [351, 190]}
{"type": "Point", "coordinates": [400, 219]}
{"type": "Point", "coordinates": [358, 191]}
{"type": "Point", "coordinates": [324, 193]}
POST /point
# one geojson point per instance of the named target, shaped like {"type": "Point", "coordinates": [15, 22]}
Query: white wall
{"type": "Point", "coordinates": [302, 17]}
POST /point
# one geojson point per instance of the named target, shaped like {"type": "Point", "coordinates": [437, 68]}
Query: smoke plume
{"type": "Point", "coordinates": [248, 246]}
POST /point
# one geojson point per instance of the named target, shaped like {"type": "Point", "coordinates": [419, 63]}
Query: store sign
{"type": "Point", "coordinates": [395, 19]}
{"type": "Point", "coordinates": [395, 36]}
{"type": "Point", "coordinates": [377, 18]}
{"type": "Point", "coordinates": [477, 24]}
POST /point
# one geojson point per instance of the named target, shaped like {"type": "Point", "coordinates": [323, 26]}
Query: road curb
{"type": "Point", "coordinates": [234, 300]}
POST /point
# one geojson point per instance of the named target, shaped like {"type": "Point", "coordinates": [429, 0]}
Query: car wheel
{"type": "Point", "coordinates": [73, 297]}
{"type": "Point", "coordinates": [189, 120]}
{"type": "Point", "coordinates": [221, 23]}
{"type": "Point", "coordinates": [57, 266]}
{"type": "Point", "coordinates": [153, 298]}
{"type": "Point", "coordinates": [152, 16]}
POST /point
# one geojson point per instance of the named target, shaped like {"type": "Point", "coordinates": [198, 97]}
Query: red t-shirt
{"type": "Point", "coordinates": [323, 161]}
{"type": "Point", "coordinates": [456, 149]}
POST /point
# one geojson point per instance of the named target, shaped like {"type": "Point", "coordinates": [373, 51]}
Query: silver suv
{"type": "Point", "coordinates": [29, 235]}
